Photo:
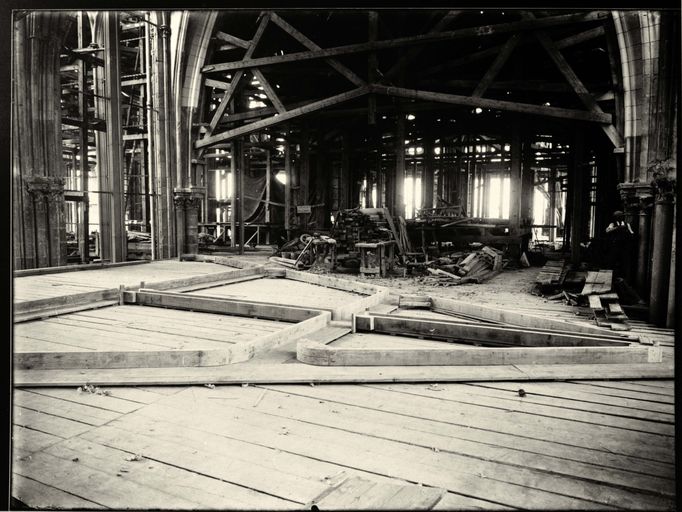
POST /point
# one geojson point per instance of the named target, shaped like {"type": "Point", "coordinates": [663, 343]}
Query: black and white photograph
{"type": "Point", "coordinates": [342, 258]}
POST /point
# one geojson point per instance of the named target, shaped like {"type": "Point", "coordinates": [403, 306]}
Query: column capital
{"type": "Point", "coordinates": [664, 182]}
{"type": "Point", "coordinates": [186, 198]}
{"type": "Point", "coordinates": [51, 187]}
{"type": "Point", "coordinates": [664, 188]}
{"type": "Point", "coordinates": [634, 191]}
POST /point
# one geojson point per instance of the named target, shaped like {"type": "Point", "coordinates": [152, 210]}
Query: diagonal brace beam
{"type": "Point", "coordinates": [565, 68]}
{"type": "Point", "coordinates": [277, 119]}
{"type": "Point", "coordinates": [496, 66]}
{"type": "Point", "coordinates": [414, 52]}
{"type": "Point", "coordinates": [220, 111]}
{"type": "Point", "coordinates": [301, 38]}
{"type": "Point", "coordinates": [272, 95]}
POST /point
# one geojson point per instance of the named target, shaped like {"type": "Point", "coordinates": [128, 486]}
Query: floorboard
{"type": "Point", "coordinates": [584, 443]}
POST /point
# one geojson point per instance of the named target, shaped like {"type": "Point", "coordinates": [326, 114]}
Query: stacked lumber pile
{"type": "Point", "coordinates": [604, 304]}
{"type": "Point", "coordinates": [475, 267]}
{"type": "Point", "coordinates": [551, 275]}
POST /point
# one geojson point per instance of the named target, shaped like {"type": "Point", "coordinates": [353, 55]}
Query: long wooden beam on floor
{"type": "Point", "coordinates": [509, 316]}
{"type": "Point", "coordinates": [39, 308]}
{"type": "Point", "coordinates": [477, 333]}
{"type": "Point", "coordinates": [51, 306]}
{"type": "Point", "coordinates": [321, 354]}
{"type": "Point", "coordinates": [225, 306]}
{"type": "Point", "coordinates": [73, 268]}
{"type": "Point", "coordinates": [299, 373]}
{"type": "Point", "coordinates": [229, 261]}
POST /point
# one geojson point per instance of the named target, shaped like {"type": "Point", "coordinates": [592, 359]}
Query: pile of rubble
{"type": "Point", "coordinates": [460, 268]}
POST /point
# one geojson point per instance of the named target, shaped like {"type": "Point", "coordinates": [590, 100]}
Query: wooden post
{"type": "Point", "coordinates": [379, 171]}
{"type": "Point", "coordinates": [551, 190]}
{"type": "Point", "coordinates": [233, 192]}
{"type": "Point", "coordinates": [515, 180]}
{"type": "Point", "coordinates": [268, 177]}
{"type": "Point", "coordinates": [527, 181]}
{"type": "Point", "coordinates": [463, 181]}
{"type": "Point", "coordinates": [399, 180]}
{"type": "Point", "coordinates": [427, 180]}
{"type": "Point", "coordinates": [240, 198]}
{"type": "Point", "coordinates": [485, 193]}
{"type": "Point", "coordinates": [287, 187]}
{"type": "Point", "coordinates": [578, 215]}
{"type": "Point", "coordinates": [372, 65]}
{"type": "Point", "coordinates": [345, 184]}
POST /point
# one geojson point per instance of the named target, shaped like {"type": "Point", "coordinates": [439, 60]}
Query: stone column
{"type": "Point", "coordinates": [661, 251]}
{"type": "Point", "coordinates": [46, 195]}
{"type": "Point", "coordinates": [187, 202]}
{"type": "Point", "coordinates": [37, 165]}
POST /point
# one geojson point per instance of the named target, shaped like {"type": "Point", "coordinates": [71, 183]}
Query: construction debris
{"type": "Point", "coordinates": [476, 267]}
{"type": "Point", "coordinates": [306, 251]}
{"type": "Point", "coordinates": [608, 312]}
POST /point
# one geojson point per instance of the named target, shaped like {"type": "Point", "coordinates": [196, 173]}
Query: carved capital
{"type": "Point", "coordinates": [186, 202]}
{"type": "Point", "coordinates": [51, 187]}
{"type": "Point", "coordinates": [664, 180]}
{"type": "Point", "coordinates": [664, 188]}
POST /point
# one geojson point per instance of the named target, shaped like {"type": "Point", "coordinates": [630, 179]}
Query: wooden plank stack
{"type": "Point", "coordinates": [551, 275]}
{"type": "Point", "coordinates": [604, 305]}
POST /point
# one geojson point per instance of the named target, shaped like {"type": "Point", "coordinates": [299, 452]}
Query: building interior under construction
{"type": "Point", "coordinates": [518, 163]}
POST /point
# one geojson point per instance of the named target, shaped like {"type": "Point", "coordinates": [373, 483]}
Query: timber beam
{"type": "Point", "coordinates": [207, 304]}
{"type": "Point", "coordinates": [301, 38]}
{"type": "Point", "coordinates": [585, 97]}
{"type": "Point", "coordinates": [526, 108]}
{"type": "Point", "coordinates": [320, 354]}
{"type": "Point", "coordinates": [485, 30]}
{"type": "Point", "coordinates": [287, 116]}
{"type": "Point", "coordinates": [234, 84]}
{"type": "Point", "coordinates": [566, 42]}
{"type": "Point", "coordinates": [478, 334]}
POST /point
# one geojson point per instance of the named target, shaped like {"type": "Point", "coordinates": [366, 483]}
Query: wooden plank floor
{"type": "Point", "coordinates": [563, 446]}
{"type": "Point", "coordinates": [68, 283]}
{"type": "Point", "coordinates": [574, 445]}
{"type": "Point", "coordinates": [282, 291]}
{"type": "Point", "coordinates": [138, 328]}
